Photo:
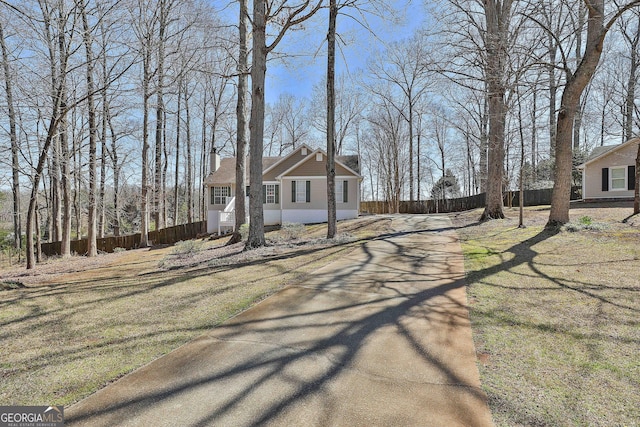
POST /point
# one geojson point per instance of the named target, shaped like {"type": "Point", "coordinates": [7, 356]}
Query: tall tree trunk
{"type": "Point", "coordinates": [410, 121]}
{"type": "Point", "coordinates": [256, 125]}
{"type": "Point", "coordinates": [203, 160]}
{"type": "Point", "coordinates": [92, 248]}
{"type": "Point", "coordinates": [629, 105]}
{"type": "Point", "coordinates": [165, 167]}
{"type": "Point", "coordinates": [241, 126]}
{"type": "Point", "coordinates": [522, 156]}
{"type": "Point", "coordinates": [534, 136]}
{"type": "Point", "coordinates": [471, 169]}
{"type": "Point", "coordinates": [63, 222]}
{"type": "Point", "coordinates": [158, 196]}
{"type": "Point", "coordinates": [418, 171]}
{"type": "Point", "coordinates": [332, 223]}
{"type": "Point", "coordinates": [484, 143]}
{"type": "Point", "coordinates": [65, 185]}
{"type": "Point", "coordinates": [574, 87]}
{"type": "Point", "coordinates": [116, 178]}
{"type": "Point", "coordinates": [13, 135]}
{"type": "Point", "coordinates": [497, 16]}
{"type": "Point", "coordinates": [577, 121]}
{"type": "Point", "coordinates": [103, 138]}
{"type": "Point", "coordinates": [144, 197]}
{"type": "Point", "coordinates": [103, 164]}
{"type": "Point", "coordinates": [38, 238]}
{"type": "Point", "coordinates": [33, 200]}
{"type": "Point", "coordinates": [77, 184]}
{"type": "Point", "coordinates": [55, 202]}
{"type": "Point", "coordinates": [176, 204]}
{"type": "Point", "coordinates": [187, 127]}
{"type": "Point", "coordinates": [553, 94]}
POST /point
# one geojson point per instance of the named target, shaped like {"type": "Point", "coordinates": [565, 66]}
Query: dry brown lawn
{"type": "Point", "coordinates": [556, 315]}
{"type": "Point", "coordinates": [71, 326]}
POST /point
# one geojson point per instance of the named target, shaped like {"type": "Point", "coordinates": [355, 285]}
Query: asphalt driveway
{"type": "Point", "coordinates": [378, 338]}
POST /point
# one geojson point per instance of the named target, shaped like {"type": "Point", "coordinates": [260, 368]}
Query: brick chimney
{"type": "Point", "coordinates": [214, 160]}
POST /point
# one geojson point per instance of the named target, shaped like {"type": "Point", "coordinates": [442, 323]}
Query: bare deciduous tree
{"type": "Point", "coordinates": [241, 124]}
{"type": "Point", "coordinates": [286, 16]}
{"type": "Point", "coordinates": [576, 81]}
{"type": "Point", "coordinates": [406, 65]}
{"type": "Point", "coordinates": [92, 249]}
{"type": "Point", "coordinates": [498, 18]}
{"type": "Point", "coordinates": [13, 135]}
{"type": "Point", "coordinates": [332, 226]}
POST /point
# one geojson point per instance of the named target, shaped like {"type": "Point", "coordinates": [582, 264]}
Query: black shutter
{"type": "Point", "coordinates": [345, 191]}
{"type": "Point", "coordinates": [264, 194]}
{"type": "Point", "coordinates": [293, 191]}
{"type": "Point", "coordinates": [277, 193]}
{"type": "Point", "coordinates": [308, 191]}
{"type": "Point", "coordinates": [605, 179]}
{"type": "Point", "coordinates": [631, 178]}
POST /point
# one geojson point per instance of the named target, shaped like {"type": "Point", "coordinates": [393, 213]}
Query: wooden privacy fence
{"type": "Point", "coordinates": [108, 244]}
{"type": "Point", "coordinates": [510, 198]}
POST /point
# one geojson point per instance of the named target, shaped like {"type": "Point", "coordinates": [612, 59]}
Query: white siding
{"type": "Point", "coordinates": [212, 221]}
{"type": "Point", "coordinates": [312, 216]}
{"type": "Point", "coordinates": [592, 175]}
{"type": "Point", "coordinates": [272, 217]}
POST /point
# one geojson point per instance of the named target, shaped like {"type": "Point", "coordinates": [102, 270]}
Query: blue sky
{"type": "Point", "coordinates": [298, 74]}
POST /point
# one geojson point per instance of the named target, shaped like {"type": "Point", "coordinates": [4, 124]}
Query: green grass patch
{"type": "Point", "coordinates": [479, 253]}
{"type": "Point", "coordinates": [555, 315]}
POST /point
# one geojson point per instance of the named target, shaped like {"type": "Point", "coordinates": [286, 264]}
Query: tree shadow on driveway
{"type": "Point", "coordinates": [381, 337]}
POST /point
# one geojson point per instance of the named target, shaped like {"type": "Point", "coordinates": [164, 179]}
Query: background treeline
{"type": "Point", "coordinates": [110, 108]}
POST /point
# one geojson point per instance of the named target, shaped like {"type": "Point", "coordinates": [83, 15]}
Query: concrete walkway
{"type": "Point", "coordinates": [378, 338]}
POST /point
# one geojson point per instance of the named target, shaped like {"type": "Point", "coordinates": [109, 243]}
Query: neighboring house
{"type": "Point", "coordinates": [294, 189]}
{"type": "Point", "coordinates": [609, 173]}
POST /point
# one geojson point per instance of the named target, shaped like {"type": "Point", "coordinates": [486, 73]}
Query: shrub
{"type": "Point", "coordinates": [343, 238]}
{"type": "Point", "coordinates": [584, 223]}
{"type": "Point", "coordinates": [118, 249]}
{"type": "Point", "coordinates": [292, 230]}
{"type": "Point", "coordinates": [586, 220]}
{"type": "Point", "coordinates": [187, 248]}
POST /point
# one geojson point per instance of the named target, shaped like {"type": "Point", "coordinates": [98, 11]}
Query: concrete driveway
{"type": "Point", "coordinates": [378, 338]}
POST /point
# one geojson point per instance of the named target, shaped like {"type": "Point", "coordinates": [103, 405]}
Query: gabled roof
{"type": "Point", "coordinates": [340, 160]}
{"type": "Point", "coordinates": [284, 158]}
{"type": "Point", "coordinates": [606, 150]}
{"type": "Point", "coordinates": [226, 173]}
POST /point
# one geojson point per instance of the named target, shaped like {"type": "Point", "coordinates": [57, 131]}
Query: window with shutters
{"type": "Point", "coordinates": [300, 191]}
{"type": "Point", "coordinates": [219, 195]}
{"type": "Point", "coordinates": [342, 191]}
{"type": "Point", "coordinates": [618, 178]}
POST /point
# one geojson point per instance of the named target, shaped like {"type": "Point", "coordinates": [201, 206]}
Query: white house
{"type": "Point", "coordinates": [610, 171]}
{"type": "Point", "coordinates": [294, 189]}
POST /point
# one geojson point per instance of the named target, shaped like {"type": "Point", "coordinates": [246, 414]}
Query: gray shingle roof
{"type": "Point", "coordinates": [226, 173]}
{"type": "Point", "coordinates": [599, 151]}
